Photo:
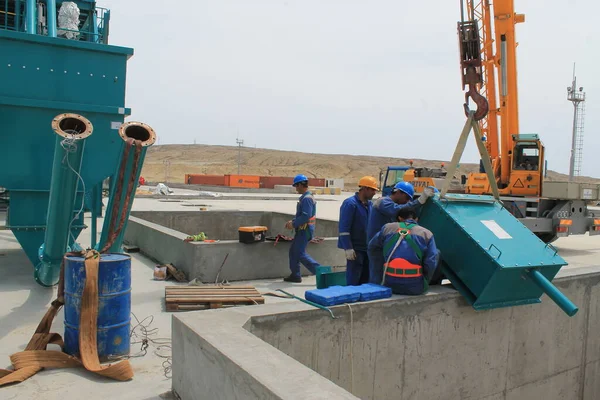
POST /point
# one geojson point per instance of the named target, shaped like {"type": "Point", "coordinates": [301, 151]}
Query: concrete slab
{"type": "Point", "coordinates": [434, 346]}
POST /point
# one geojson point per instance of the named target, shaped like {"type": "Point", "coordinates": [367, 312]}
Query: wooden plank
{"type": "Point", "coordinates": [208, 287]}
{"type": "Point", "coordinates": [216, 300]}
{"type": "Point", "coordinates": [213, 291]}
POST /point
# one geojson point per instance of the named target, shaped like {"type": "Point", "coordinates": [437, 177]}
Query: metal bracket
{"type": "Point", "coordinates": [499, 251]}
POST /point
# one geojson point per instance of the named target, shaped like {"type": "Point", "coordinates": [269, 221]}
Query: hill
{"type": "Point", "coordinates": [171, 162]}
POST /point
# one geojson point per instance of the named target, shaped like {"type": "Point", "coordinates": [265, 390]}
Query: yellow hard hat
{"type": "Point", "coordinates": [368, 181]}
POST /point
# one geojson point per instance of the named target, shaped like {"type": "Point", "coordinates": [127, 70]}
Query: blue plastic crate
{"type": "Point", "coordinates": [371, 291]}
{"type": "Point", "coordinates": [333, 295]}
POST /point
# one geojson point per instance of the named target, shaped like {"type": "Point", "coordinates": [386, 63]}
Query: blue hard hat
{"type": "Point", "coordinates": [405, 187]}
{"type": "Point", "coordinates": [299, 178]}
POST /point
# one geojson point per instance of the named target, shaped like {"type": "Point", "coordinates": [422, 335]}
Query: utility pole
{"type": "Point", "coordinates": [240, 143]}
{"type": "Point", "coordinates": [577, 97]}
{"type": "Point", "coordinates": [167, 164]}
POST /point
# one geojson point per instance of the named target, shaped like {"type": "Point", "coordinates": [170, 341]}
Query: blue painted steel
{"type": "Point", "coordinates": [114, 304]}
{"type": "Point", "coordinates": [563, 302]}
{"type": "Point", "coordinates": [63, 190]}
{"type": "Point", "coordinates": [31, 16]}
{"type": "Point", "coordinates": [488, 253]}
{"type": "Point", "coordinates": [51, 17]}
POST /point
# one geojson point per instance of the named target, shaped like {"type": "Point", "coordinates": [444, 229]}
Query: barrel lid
{"type": "Point", "coordinates": [104, 257]}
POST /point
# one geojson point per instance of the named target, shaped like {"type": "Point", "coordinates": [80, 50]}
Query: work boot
{"type": "Point", "coordinates": [293, 279]}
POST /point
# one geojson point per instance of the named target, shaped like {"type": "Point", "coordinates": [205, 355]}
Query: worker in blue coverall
{"type": "Point", "coordinates": [304, 228]}
{"type": "Point", "coordinates": [352, 237]}
{"type": "Point", "coordinates": [408, 253]}
{"type": "Point", "coordinates": [384, 211]}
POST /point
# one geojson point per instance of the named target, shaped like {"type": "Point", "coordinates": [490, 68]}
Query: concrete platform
{"type": "Point", "coordinates": [160, 235]}
{"type": "Point", "coordinates": [424, 347]}
{"type": "Point", "coordinates": [25, 302]}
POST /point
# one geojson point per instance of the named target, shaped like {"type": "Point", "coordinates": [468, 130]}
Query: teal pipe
{"type": "Point", "coordinates": [31, 16]}
{"type": "Point", "coordinates": [146, 135]}
{"type": "Point", "coordinates": [63, 192]}
{"type": "Point", "coordinates": [51, 11]}
{"type": "Point", "coordinates": [560, 299]}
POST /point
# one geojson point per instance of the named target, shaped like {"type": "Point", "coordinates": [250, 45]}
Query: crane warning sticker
{"type": "Point", "coordinates": [587, 194]}
{"type": "Point", "coordinates": [496, 229]}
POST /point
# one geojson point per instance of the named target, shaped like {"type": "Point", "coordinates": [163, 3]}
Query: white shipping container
{"type": "Point", "coordinates": [334, 182]}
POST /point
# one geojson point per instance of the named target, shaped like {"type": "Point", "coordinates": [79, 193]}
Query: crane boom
{"type": "Point", "coordinates": [517, 160]}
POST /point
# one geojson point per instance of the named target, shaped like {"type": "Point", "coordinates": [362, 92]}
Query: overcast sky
{"type": "Point", "coordinates": [377, 77]}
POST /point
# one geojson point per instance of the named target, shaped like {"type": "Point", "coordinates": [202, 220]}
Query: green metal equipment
{"type": "Point", "coordinates": [490, 256]}
{"type": "Point", "coordinates": [63, 129]}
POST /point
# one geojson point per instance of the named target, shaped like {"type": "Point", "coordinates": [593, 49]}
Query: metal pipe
{"type": "Point", "coordinates": [71, 131]}
{"type": "Point", "coordinates": [503, 66]}
{"type": "Point", "coordinates": [560, 299]}
{"type": "Point", "coordinates": [113, 219]}
{"type": "Point", "coordinates": [51, 17]}
{"type": "Point", "coordinates": [31, 19]}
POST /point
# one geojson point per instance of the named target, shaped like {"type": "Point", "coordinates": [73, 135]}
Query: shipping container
{"type": "Point", "coordinates": [318, 182]}
{"type": "Point", "coordinates": [269, 182]}
{"type": "Point", "coordinates": [208, 180]}
{"type": "Point", "coordinates": [243, 181]}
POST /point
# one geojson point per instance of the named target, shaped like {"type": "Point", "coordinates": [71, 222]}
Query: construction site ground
{"type": "Point", "coordinates": [25, 302]}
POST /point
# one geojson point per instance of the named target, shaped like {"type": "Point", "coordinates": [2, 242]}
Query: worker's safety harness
{"type": "Point", "coordinates": [403, 233]}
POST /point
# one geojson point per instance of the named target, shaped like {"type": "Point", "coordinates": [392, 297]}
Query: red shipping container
{"type": "Point", "coordinates": [316, 182]}
{"type": "Point", "coordinates": [244, 181]}
{"type": "Point", "coordinates": [208, 180]}
{"type": "Point", "coordinates": [269, 182]}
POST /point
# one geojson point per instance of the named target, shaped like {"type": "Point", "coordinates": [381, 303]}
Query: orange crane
{"type": "Point", "coordinates": [489, 63]}
{"type": "Point", "coordinates": [488, 50]}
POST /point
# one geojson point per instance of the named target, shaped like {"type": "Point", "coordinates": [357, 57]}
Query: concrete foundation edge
{"type": "Point", "coordinates": [215, 356]}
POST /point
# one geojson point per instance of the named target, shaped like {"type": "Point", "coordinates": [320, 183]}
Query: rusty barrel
{"type": "Point", "coordinates": [114, 305]}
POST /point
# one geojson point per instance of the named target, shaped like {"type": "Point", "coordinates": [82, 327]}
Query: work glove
{"type": "Point", "coordinates": [427, 193]}
{"type": "Point", "coordinates": [350, 254]}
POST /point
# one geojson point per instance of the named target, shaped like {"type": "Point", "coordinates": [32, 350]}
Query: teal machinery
{"type": "Point", "coordinates": [491, 258]}
{"type": "Point", "coordinates": [62, 113]}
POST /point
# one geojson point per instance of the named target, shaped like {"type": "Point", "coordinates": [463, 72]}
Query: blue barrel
{"type": "Point", "coordinates": [114, 305]}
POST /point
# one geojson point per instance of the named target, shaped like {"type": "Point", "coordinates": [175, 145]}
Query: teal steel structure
{"type": "Point", "coordinates": [491, 258]}
{"type": "Point", "coordinates": [53, 171]}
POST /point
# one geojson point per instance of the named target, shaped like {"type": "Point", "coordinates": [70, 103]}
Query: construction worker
{"type": "Point", "coordinates": [352, 238]}
{"type": "Point", "coordinates": [384, 211]}
{"type": "Point", "coordinates": [408, 253]}
{"type": "Point", "coordinates": [304, 227]}
{"type": "Point", "coordinates": [386, 207]}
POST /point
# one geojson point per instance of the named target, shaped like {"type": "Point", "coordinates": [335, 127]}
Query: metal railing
{"type": "Point", "coordinates": [93, 23]}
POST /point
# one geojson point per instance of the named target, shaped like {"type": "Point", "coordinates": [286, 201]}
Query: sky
{"type": "Point", "coordinates": [377, 77]}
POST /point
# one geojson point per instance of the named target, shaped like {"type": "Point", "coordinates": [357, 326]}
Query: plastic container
{"type": "Point", "coordinates": [333, 295]}
{"type": "Point", "coordinates": [326, 277]}
{"type": "Point", "coordinates": [114, 305]}
{"type": "Point", "coordinates": [371, 291]}
{"type": "Point", "coordinates": [252, 234]}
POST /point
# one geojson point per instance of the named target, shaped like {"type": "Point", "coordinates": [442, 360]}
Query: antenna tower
{"type": "Point", "coordinates": [576, 96]}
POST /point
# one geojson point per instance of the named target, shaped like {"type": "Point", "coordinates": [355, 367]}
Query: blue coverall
{"type": "Point", "coordinates": [384, 211]}
{"type": "Point", "coordinates": [404, 262]}
{"type": "Point", "coordinates": [354, 216]}
{"type": "Point", "coordinates": [304, 226]}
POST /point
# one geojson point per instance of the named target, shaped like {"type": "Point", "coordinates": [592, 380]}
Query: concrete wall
{"type": "Point", "coordinates": [224, 224]}
{"type": "Point", "coordinates": [426, 347]}
{"type": "Point", "coordinates": [203, 260]}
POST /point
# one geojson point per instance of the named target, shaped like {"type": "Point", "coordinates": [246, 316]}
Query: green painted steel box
{"type": "Point", "coordinates": [490, 255]}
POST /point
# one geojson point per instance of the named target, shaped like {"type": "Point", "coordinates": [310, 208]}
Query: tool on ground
{"type": "Point", "coordinates": [252, 234]}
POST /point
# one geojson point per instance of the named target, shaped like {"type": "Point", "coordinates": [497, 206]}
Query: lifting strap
{"type": "Point", "coordinates": [35, 357]}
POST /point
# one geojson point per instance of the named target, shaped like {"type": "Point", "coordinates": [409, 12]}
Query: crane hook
{"type": "Point", "coordinates": [478, 99]}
